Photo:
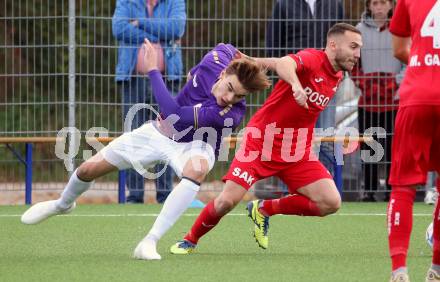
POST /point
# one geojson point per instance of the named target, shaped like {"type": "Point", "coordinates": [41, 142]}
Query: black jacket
{"type": "Point", "coordinates": [293, 27]}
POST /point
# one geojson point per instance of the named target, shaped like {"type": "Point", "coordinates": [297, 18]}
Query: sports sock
{"type": "Point", "coordinates": [175, 205]}
{"type": "Point", "coordinates": [399, 270]}
{"type": "Point", "coordinates": [399, 221]}
{"type": "Point", "coordinates": [290, 205]}
{"type": "Point", "coordinates": [74, 188]}
{"type": "Point", "coordinates": [435, 267]}
{"type": "Point", "coordinates": [206, 220]}
{"type": "Point", "coordinates": [436, 232]}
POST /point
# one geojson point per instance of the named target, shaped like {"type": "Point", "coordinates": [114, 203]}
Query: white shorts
{"type": "Point", "coordinates": [146, 146]}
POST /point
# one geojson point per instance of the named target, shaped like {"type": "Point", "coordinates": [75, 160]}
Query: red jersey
{"type": "Point", "coordinates": [419, 20]}
{"type": "Point", "coordinates": [288, 119]}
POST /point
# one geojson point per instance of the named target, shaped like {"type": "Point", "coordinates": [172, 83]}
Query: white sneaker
{"type": "Point", "coordinates": [401, 277]}
{"type": "Point", "coordinates": [432, 276]}
{"type": "Point", "coordinates": [42, 211]}
{"type": "Point", "coordinates": [146, 249]}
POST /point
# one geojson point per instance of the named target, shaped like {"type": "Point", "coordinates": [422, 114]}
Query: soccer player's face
{"type": "Point", "coordinates": [347, 50]}
{"type": "Point", "coordinates": [228, 90]}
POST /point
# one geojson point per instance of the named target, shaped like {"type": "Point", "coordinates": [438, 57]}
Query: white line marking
{"type": "Point", "coordinates": [196, 214]}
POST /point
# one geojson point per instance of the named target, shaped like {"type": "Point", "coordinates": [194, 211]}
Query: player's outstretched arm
{"type": "Point", "coordinates": [286, 68]}
{"type": "Point", "coordinates": [266, 63]}
{"type": "Point", "coordinates": [167, 103]}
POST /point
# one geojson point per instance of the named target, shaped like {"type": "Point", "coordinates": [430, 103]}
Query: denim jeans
{"type": "Point", "coordinates": [138, 90]}
{"type": "Point", "coordinates": [327, 119]}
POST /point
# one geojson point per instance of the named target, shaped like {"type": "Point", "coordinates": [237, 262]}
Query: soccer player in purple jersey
{"type": "Point", "coordinates": [212, 101]}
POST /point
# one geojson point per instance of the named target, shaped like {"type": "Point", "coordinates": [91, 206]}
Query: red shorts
{"type": "Point", "coordinates": [295, 175]}
{"type": "Point", "coordinates": [416, 145]}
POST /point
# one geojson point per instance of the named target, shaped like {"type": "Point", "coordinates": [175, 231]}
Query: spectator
{"type": "Point", "coordinates": [163, 23]}
{"type": "Point", "coordinates": [431, 194]}
{"type": "Point", "coordinates": [299, 24]}
{"type": "Point", "coordinates": [376, 76]}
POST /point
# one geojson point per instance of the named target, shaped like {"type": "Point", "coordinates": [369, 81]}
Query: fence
{"type": "Point", "coordinates": [57, 69]}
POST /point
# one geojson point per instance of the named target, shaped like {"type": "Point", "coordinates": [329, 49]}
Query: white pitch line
{"type": "Point", "coordinates": [196, 214]}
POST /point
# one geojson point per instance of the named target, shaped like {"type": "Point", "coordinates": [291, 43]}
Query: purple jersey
{"type": "Point", "coordinates": [197, 94]}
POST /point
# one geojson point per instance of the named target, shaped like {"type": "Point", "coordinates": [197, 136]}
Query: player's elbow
{"type": "Point", "coordinates": [401, 54]}
{"type": "Point", "coordinates": [286, 68]}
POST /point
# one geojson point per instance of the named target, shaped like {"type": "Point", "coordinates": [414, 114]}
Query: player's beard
{"type": "Point", "coordinates": [344, 63]}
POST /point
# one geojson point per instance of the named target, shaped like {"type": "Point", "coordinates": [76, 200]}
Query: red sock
{"type": "Point", "coordinates": [206, 220]}
{"type": "Point", "coordinates": [292, 204]}
{"type": "Point", "coordinates": [399, 221]}
{"type": "Point", "coordinates": [436, 233]}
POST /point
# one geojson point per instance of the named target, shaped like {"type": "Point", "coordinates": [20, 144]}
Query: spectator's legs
{"type": "Point", "coordinates": [326, 120]}
{"type": "Point", "coordinates": [136, 90]}
{"type": "Point", "coordinates": [366, 120]}
{"type": "Point", "coordinates": [164, 183]}
{"type": "Point", "coordinates": [389, 127]}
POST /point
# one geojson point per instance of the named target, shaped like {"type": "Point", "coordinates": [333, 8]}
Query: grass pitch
{"type": "Point", "coordinates": [95, 243]}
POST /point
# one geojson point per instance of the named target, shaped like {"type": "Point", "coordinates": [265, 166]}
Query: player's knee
{"type": "Point", "coordinates": [223, 205]}
{"type": "Point", "coordinates": [85, 171]}
{"type": "Point", "coordinates": [197, 175]}
{"type": "Point", "coordinates": [196, 169]}
{"type": "Point", "coordinates": [330, 206]}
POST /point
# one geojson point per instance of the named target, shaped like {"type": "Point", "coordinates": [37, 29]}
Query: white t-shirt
{"type": "Point", "coordinates": [312, 5]}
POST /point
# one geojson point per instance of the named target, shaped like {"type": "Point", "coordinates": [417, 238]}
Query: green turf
{"type": "Point", "coordinates": [341, 247]}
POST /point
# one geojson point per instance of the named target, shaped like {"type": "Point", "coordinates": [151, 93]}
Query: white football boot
{"type": "Point", "coordinates": [146, 250]}
{"type": "Point", "coordinates": [41, 211]}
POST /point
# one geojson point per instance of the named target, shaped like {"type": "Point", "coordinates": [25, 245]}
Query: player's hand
{"type": "Point", "coordinates": [300, 96]}
{"type": "Point", "coordinates": [239, 55]}
{"type": "Point", "coordinates": [134, 23]}
{"type": "Point", "coordinates": [150, 55]}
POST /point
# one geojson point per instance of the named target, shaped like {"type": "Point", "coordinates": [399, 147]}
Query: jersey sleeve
{"type": "Point", "coordinates": [400, 23]}
{"type": "Point", "coordinates": [218, 58]}
{"type": "Point", "coordinates": [215, 116]}
{"type": "Point", "coordinates": [306, 60]}
{"type": "Point", "coordinates": [194, 70]}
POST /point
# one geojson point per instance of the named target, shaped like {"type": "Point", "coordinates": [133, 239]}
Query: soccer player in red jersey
{"type": "Point", "coordinates": [278, 138]}
{"type": "Point", "coordinates": [416, 41]}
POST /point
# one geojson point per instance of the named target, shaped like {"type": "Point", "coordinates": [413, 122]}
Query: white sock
{"type": "Point", "coordinates": [435, 267]}
{"type": "Point", "coordinates": [402, 269]}
{"type": "Point", "coordinates": [74, 188]}
{"type": "Point", "coordinates": [175, 205]}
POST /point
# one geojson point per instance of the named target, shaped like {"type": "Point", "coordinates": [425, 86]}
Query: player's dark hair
{"type": "Point", "coordinates": [341, 28]}
{"type": "Point", "coordinates": [249, 73]}
{"type": "Point", "coordinates": [368, 11]}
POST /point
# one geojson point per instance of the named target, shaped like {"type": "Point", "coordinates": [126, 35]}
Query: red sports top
{"type": "Point", "coordinates": [419, 20]}
{"type": "Point", "coordinates": [283, 114]}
